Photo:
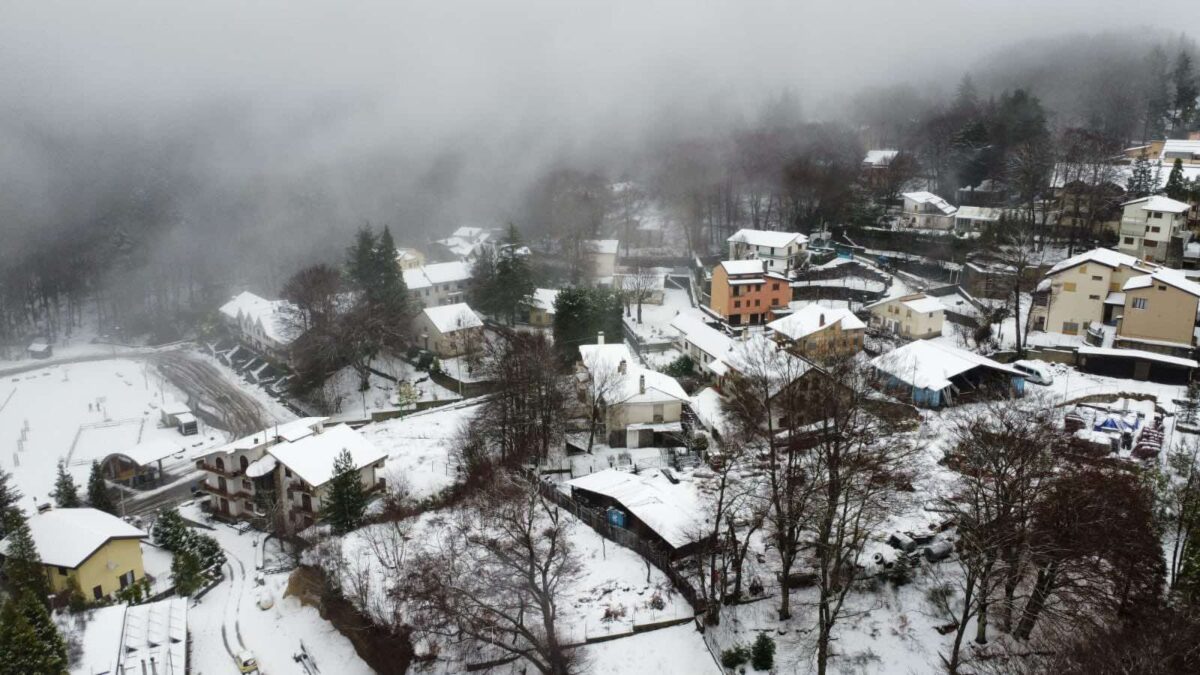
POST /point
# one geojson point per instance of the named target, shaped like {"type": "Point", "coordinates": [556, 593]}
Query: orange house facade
{"type": "Point", "coordinates": [744, 293]}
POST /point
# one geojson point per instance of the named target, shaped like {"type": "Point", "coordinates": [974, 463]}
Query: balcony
{"type": "Point", "coordinates": [230, 492]}
{"type": "Point", "coordinates": [227, 472]}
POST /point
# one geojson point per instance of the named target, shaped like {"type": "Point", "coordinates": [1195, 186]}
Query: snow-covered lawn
{"type": "Point", "coordinates": [83, 412]}
{"type": "Point", "coordinates": [420, 447]}
{"type": "Point", "coordinates": [228, 618]}
{"type": "Point", "coordinates": [679, 649]}
{"type": "Point", "coordinates": [656, 319]}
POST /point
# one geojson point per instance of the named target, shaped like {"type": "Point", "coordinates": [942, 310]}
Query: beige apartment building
{"type": "Point", "coordinates": [1148, 224]}
{"type": "Point", "coordinates": [915, 316]}
{"type": "Point", "coordinates": [1083, 289]}
{"type": "Point", "coordinates": [1159, 313]}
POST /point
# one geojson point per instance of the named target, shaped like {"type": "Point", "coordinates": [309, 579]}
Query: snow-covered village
{"type": "Point", "coordinates": [614, 338]}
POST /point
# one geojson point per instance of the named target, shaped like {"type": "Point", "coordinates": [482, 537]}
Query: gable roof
{"type": "Point", "coordinates": [926, 197]}
{"type": "Point", "coordinates": [706, 338]}
{"type": "Point", "coordinates": [923, 304]}
{"type": "Point", "coordinates": [247, 306]}
{"type": "Point", "coordinates": [543, 299]}
{"type": "Point", "coordinates": [436, 273]}
{"type": "Point", "coordinates": [671, 511]}
{"type": "Point", "coordinates": [68, 537]}
{"type": "Point", "coordinates": [450, 318]}
{"type": "Point", "coordinates": [289, 431]}
{"type": "Point", "coordinates": [768, 238]}
{"type": "Point", "coordinates": [880, 158]}
{"type": "Point", "coordinates": [602, 246]}
{"type": "Point", "coordinates": [638, 384]}
{"type": "Point", "coordinates": [812, 318]}
{"type": "Point", "coordinates": [1101, 256]}
{"type": "Point", "coordinates": [740, 267]}
{"type": "Point", "coordinates": [1166, 276]}
{"type": "Point", "coordinates": [311, 458]}
{"type": "Point", "coordinates": [1160, 203]}
{"type": "Point", "coordinates": [1180, 147]}
{"type": "Point", "coordinates": [928, 365]}
{"type": "Point", "coordinates": [760, 356]}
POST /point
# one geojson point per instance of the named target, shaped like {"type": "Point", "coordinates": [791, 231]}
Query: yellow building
{"type": "Point", "coordinates": [1084, 289]}
{"type": "Point", "coordinates": [99, 551]}
{"type": "Point", "coordinates": [915, 316]}
{"type": "Point", "coordinates": [820, 332]}
{"type": "Point", "coordinates": [541, 307]}
{"type": "Point", "coordinates": [1159, 313]}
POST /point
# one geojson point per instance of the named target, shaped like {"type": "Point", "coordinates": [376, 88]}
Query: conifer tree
{"type": "Point", "coordinates": [66, 495]}
{"type": "Point", "coordinates": [29, 640]}
{"type": "Point", "coordinates": [1176, 186]}
{"type": "Point", "coordinates": [9, 496]}
{"type": "Point", "coordinates": [186, 571]}
{"type": "Point", "coordinates": [347, 503]}
{"type": "Point", "coordinates": [481, 288]}
{"type": "Point", "coordinates": [22, 564]}
{"type": "Point", "coordinates": [97, 491]}
{"type": "Point", "coordinates": [514, 280]}
{"type": "Point", "coordinates": [1141, 180]}
{"type": "Point", "coordinates": [361, 260]}
{"type": "Point", "coordinates": [1186, 90]}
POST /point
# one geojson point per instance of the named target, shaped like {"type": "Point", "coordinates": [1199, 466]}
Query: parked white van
{"type": "Point", "coordinates": [1034, 371]}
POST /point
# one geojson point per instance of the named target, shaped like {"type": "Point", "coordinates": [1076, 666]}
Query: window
{"type": "Point", "coordinates": [737, 303]}
{"type": "Point", "coordinates": [1070, 328]}
{"type": "Point", "coordinates": [1129, 240]}
{"type": "Point", "coordinates": [244, 462]}
{"type": "Point", "coordinates": [757, 302]}
{"type": "Point", "coordinates": [774, 287]}
{"type": "Point", "coordinates": [1156, 229]}
{"type": "Point", "coordinates": [126, 579]}
{"type": "Point", "coordinates": [1069, 287]}
{"type": "Point", "coordinates": [98, 593]}
{"type": "Point", "coordinates": [1150, 243]}
{"type": "Point", "coordinates": [62, 571]}
{"type": "Point", "coordinates": [1097, 278]}
{"type": "Point", "coordinates": [774, 302]}
{"type": "Point", "coordinates": [1093, 297]}
{"type": "Point", "coordinates": [1156, 214]}
{"type": "Point", "coordinates": [1139, 303]}
{"type": "Point", "coordinates": [1162, 288]}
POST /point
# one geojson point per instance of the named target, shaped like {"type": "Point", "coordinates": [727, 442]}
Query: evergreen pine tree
{"type": "Point", "coordinates": [1141, 180]}
{"type": "Point", "coordinates": [362, 261]}
{"type": "Point", "coordinates": [170, 532]}
{"type": "Point", "coordinates": [97, 491]}
{"type": "Point", "coordinates": [481, 288]}
{"type": "Point", "coordinates": [9, 496]}
{"type": "Point", "coordinates": [347, 503]}
{"type": "Point", "coordinates": [29, 640]}
{"type": "Point", "coordinates": [391, 293]}
{"type": "Point", "coordinates": [1186, 90]}
{"type": "Point", "coordinates": [514, 280]}
{"type": "Point", "coordinates": [22, 564]}
{"type": "Point", "coordinates": [1176, 186]}
{"type": "Point", "coordinates": [762, 654]}
{"type": "Point", "coordinates": [186, 571]}
{"type": "Point", "coordinates": [66, 495]}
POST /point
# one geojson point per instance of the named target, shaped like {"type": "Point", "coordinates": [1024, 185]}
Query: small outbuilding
{"type": "Point", "coordinates": [178, 415]}
{"type": "Point", "coordinates": [934, 375]}
{"type": "Point", "coordinates": [39, 349]}
{"type": "Point", "coordinates": [666, 514]}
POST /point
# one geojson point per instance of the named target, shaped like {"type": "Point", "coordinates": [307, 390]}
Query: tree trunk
{"type": "Point", "coordinates": [1046, 579]}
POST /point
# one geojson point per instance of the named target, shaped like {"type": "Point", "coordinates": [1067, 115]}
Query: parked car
{"type": "Point", "coordinates": [246, 662]}
{"type": "Point", "coordinates": [1034, 371]}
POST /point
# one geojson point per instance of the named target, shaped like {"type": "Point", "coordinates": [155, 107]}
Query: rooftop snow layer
{"type": "Point", "coordinates": [925, 197]}
{"type": "Point", "coordinates": [149, 452]}
{"type": "Point", "coordinates": [602, 246]}
{"type": "Point", "coordinates": [767, 238]}
{"type": "Point", "coordinates": [543, 298]}
{"type": "Point", "coordinates": [449, 318]}
{"type": "Point", "coordinates": [246, 306]}
{"type": "Point", "coordinates": [880, 158]}
{"type": "Point", "coordinates": [1160, 203]}
{"type": "Point", "coordinates": [311, 458]}
{"type": "Point", "coordinates": [288, 431]}
{"type": "Point", "coordinates": [1101, 256]}
{"type": "Point", "coordinates": [67, 537]}
{"type": "Point", "coordinates": [1166, 276]}
{"type": "Point", "coordinates": [672, 511]}
{"type": "Point", "coordinates": [738, 267]}
{"type": "Point", "coordinates": [706, 338]}
{"type": "Point", "coordinates": [437, 273]}
{"type": "Point", "coordinates": [929, 365]}
{"type": "Point", "coordinates": [811, 318]}
{"type": "Point", "coordinates": [1138, 354]}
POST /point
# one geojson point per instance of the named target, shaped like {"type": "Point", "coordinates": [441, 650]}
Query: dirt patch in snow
{"type": "Point", "coordinates": [386, 651]}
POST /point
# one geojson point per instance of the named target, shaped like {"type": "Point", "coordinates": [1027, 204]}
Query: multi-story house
{"type": "Point", "coordinates": [640, 406]}
{"type": "Point", "coordinates": [782, 251]}
{"type": "Point", "coordinates": [1084, 289]}
{"type": "Point", "coordinates": [438, 284]}
{"type": "Point", "coordinates": [1186, 151]}
{"type": "Point", "coordinates": [927, 211]}
{"type": "Point", "coordinates": [450, 330]}
{"type": "Point", "coordinates": [915, 316]}
{"type": "Point", "coordinates": [1149, 224]}
{"type": "Point", "coordinates": [1159, 313]}
{"type": "Point", "coordinates": [409, 258]}
{"type": "Point", "coordinates": [744, 292]}
{"type": "Point", "coordinates": [820, 332]}
{"type": "Point", "coordinates": [282, 473]}
{"type": "Point", "coordinates": [260, 324]}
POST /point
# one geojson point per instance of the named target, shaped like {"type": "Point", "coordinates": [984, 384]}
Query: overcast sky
{"type": "Point", "coordinates": [281, 87]}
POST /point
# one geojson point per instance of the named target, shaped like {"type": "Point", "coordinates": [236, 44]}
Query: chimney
{"type": "Point", "coordinates": [641, 384]}
{"type": "Point", "coordinates": [822, 324]}
{"type": "Point", "coordinates": [600, 338]}
{"type": "Point", "coordinates": [621, 367]}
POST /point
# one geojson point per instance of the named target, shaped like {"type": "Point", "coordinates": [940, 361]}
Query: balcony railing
{"type": "Point", "coordinates": [237, 492]}
{"type": "Point", "coordinates": [227, 472]}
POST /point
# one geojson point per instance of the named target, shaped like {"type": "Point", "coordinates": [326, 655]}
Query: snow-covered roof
{"type": "Point", "coordinates": [638, 384]}
{"type": "Point", "coordinates": [812, 318]}
{"type": "Point", "coordinates": [929, 365]}
{"type": "Point", "coordinates": [758, 356]}
{"type": "Point", "coordinates": [706, 338]}
{"type": "Point", "coordinates": [543, 299]}
{"type": "Point", "coordinates": [708, 406]}
{"type": "Point", "coordinates": [922, 303]}
{"type": "Point", "coordinates": [311, 458]}
{"type": "Point", "coordinates": [450, 318]}
{"type": "Point", "coordinates": [67, 537]}
{"type": "Point", "coordinates": [768, 238]}
{"type": "Point", "coordinates": [925, 197]}
{"type": "Point", "coordinates": [1166, 276]}
{"type": "Point", "coordinates": [1180, 148]}
{"type": "Point", "coordinates": [151, 451]}
{"type": "Point", "coordinates": [990, 214]}
{"type": "Point", "coordinates": [597, 355]}
{"type": "Point", "coordinates": [155, 632]}
{"type": "Point", "coordinates": [1160, 203]}
{"type": "Point", "coordinates": [739, 267]}
{"type": "Point", "coordinates": [288, 431]}
{"type": "Point", "coordinates": [38, 346]}
{"type": "Point", "coordinates": [261, 466]}
{"type": "Point", "coordinates": [436, 273]}
{"type": "Point", "coordinates": [269, 314]}
{"type": "Point", "coordinates": [1101, 256]}
{"type": "Point", "coordinates": [602, 246]}
{"type": "Point", "coordinates": [672, 511]}
{"type": "Point", "coordinates": [880, 158]}
{"type": "Point", "coordinates": [1138, 354]}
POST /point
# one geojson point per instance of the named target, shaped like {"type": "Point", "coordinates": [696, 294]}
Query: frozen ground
{"type": "Point", "coordinates": [419, 447]}
{"type": "Point", "coordinates": [82, 412]}
{"type": "Point", "coordinates": [228, 619]}
{"type": "Point", "coordinates": [656, 319]}
{"type": "Point", "coordinates": [679, 649]}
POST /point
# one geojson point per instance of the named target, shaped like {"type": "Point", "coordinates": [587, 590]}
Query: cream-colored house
{"type": "Point", "coordinates": [640, 405]}
{"type": "Point", "coordinates": [1084, 289]}
{"type": "Point", "coordinates": [820, 332]}
{"type": "Point", "coordinates": [409, 258]}
{"type": "Point", "coordinates": [782, 251]}
{"type": "Point", "coordinates": [1159, 313]}
{"type": "Point", "coordinates": [96, 552]}
{"type": "Point", "coordinates": [449, 330]}
{"type": "Point", "coordinates": [915, 316]}
{"type": "Point", "coordinates": [1147, 225]}
{"type": "Point", "coordinates": [439, 283]}
{"type": "Point", "coordinates": [600, 257]}
{"type": "Point", "coordinates": [541, 307]}
{"type": "Point", "coordinates": [927, 211]}
{"type": "Point", "coordinates": [283, 471]}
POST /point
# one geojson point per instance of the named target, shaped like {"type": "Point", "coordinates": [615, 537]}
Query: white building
{"type": "Point", "coordinates": [287, 466]}
{"type": "Point", "coordinates": [783, 251]}
{"type": "Point", "coordinates": [927, 211]}
{"type": "Point", "coordinates": [132, 639]}
{"type": "Point", "coordinates": [449, 330]}
{"type": "Point", "coordinates": [438, 283]}
{"type": "Point", "coordinates": [878, 160]}
{"type": "Point", "coordinates": [1147, 225]}
{"type": "Point", "coordinates": [600, 257]}
{"type": "Point", "coordinates": [466, 243]}
{"type": "Point", "coordinates": [706, 346]}
{"type": "Point", "coordinates": [260, 323]}
{"type": "Point", "coordinates": [640, 405]}
{"type": "Point", "coordinates": [1188, 151]}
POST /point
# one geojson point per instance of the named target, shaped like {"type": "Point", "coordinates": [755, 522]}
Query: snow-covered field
{"type": "Point", "coordinates": [419, 447]}
{"type": "Point", "coordinates": [228, 619]}
{"type": "Point", "coordinates": [83, 412]}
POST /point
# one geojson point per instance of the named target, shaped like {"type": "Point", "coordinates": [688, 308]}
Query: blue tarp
{"type": "Point", "coordinates": [1116, 423]}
